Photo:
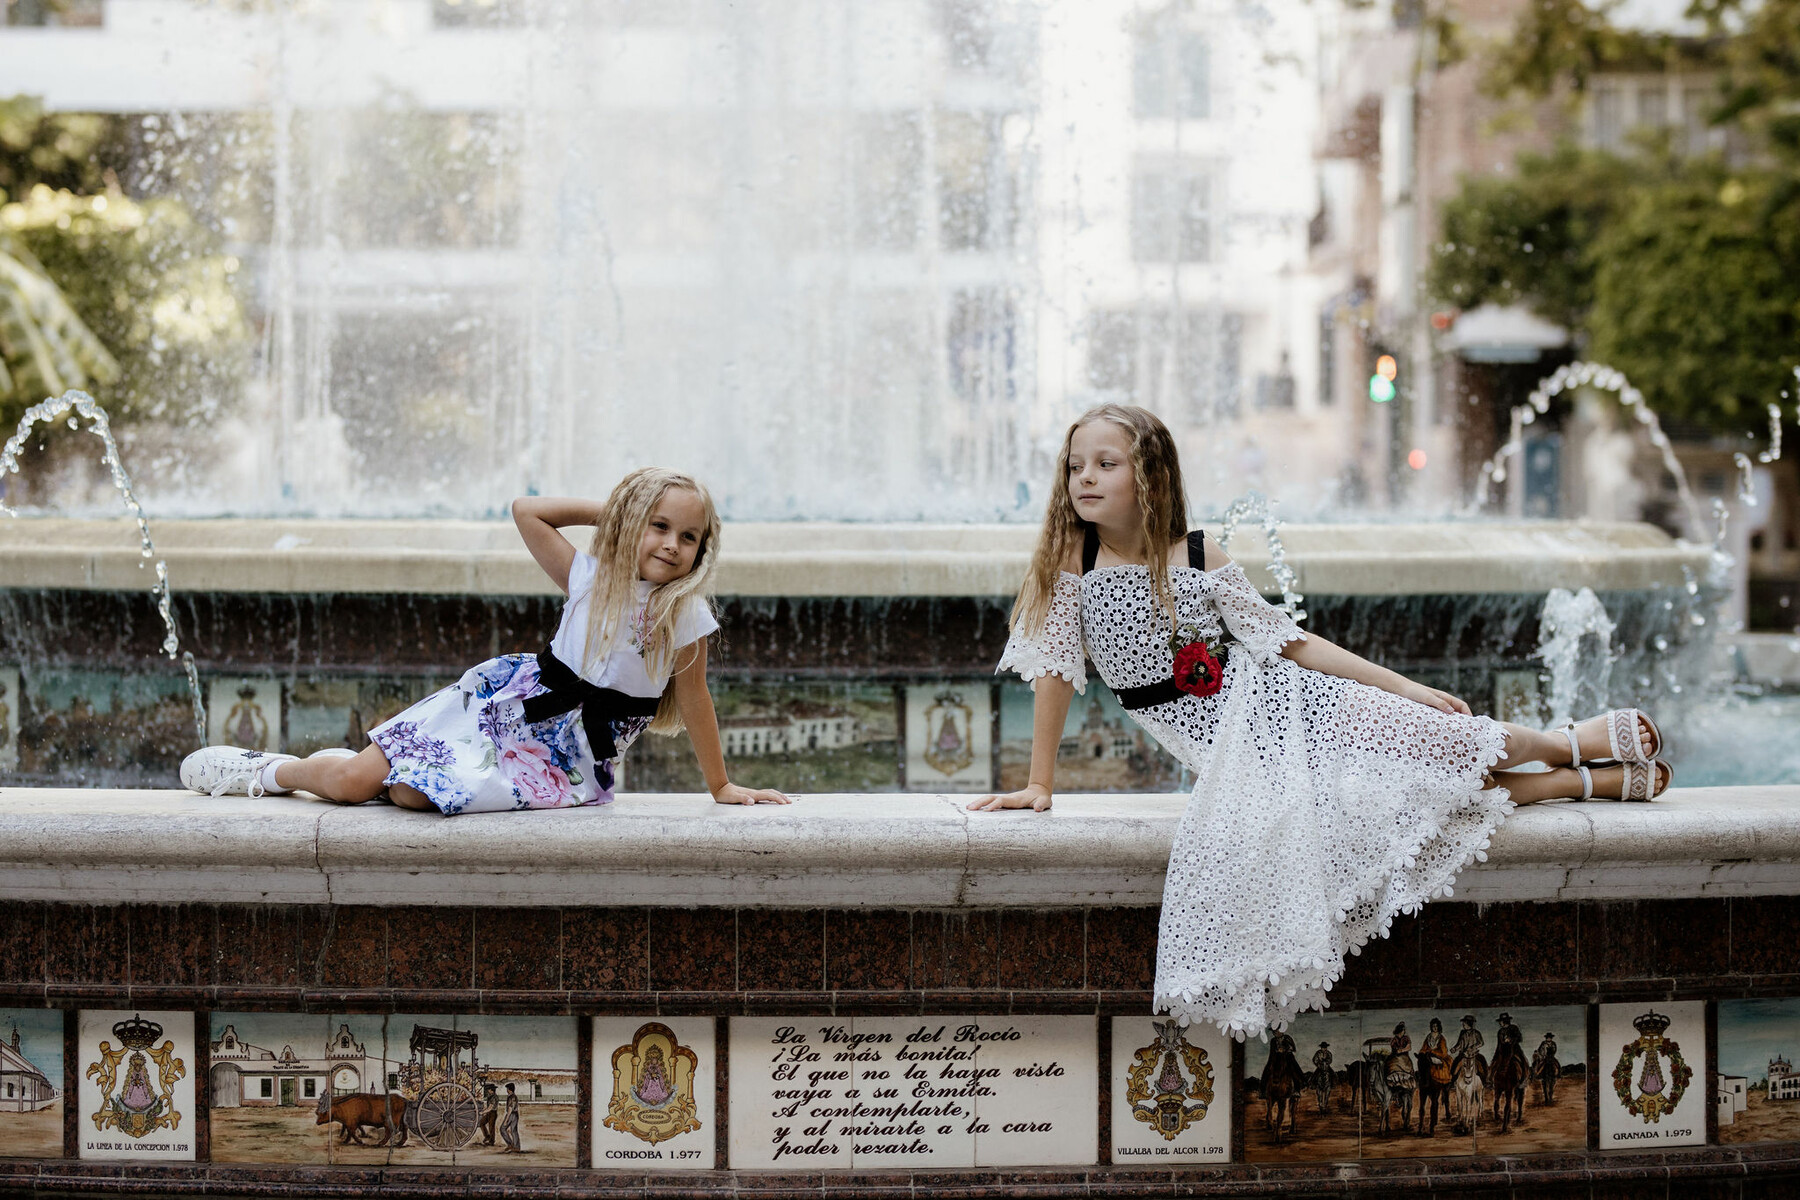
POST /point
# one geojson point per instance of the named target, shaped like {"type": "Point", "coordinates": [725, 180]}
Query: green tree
{"type": "Point", "coordinates": [100, 290]}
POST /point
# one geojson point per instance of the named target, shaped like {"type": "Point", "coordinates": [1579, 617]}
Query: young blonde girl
{"type": "Point", "coordinates": [1330, 793]}
{"type": "Point", "coordinates": [547, 730]}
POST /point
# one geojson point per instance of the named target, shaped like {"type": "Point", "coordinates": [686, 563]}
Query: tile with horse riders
{"type": "Point", "coordinates": [1415, 1083]}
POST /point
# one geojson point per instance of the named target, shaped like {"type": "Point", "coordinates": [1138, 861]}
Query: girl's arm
{"type": "Point", "coordinates": [1049, 711]}
{"type": "Point", "coordinates": [1315, 653]}
{"type": "Point", "coordinates": [703, 730]}
{"type": "Point", "coordinates": [539, 518]}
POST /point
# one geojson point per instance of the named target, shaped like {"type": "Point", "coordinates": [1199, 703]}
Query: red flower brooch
{"type": "Point", "coordinates": [1199, 670]}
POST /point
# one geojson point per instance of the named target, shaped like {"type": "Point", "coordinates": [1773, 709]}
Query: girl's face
{"type": "Point", "coordinates": [1102, 485]}
{"type": "Point", "coordinates": [672, 538]}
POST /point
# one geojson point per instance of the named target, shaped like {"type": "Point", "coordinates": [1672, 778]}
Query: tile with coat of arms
{"type": "Point", "coordinates": [9, 718]}
{"type": "Point", "coordinates": [1652, 1075]}
{"type": "Point", "coordinates": [949, 737]}
{"type": "Point", "coordinates": [31, 1083]}
{"type": "Point", "coordinates": [655, 1088]}
{"type": "Point", "coordinates": [137, 1086]}
{"type": "Point", "coordinates": [1171, 1093]}
{"type": "Point", "coordinates": [244, 712]}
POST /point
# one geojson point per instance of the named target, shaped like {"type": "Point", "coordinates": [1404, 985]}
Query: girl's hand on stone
{"type": "Point", "coordinates": [731, 793]}
{"type": "Point", "coordinates": [1034, 797]}
{"type": "Point", "coordinates": [1441, 700]}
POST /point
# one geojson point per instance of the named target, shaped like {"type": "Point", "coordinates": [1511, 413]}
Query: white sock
{"type": "Point", "coordinates": [268, 779]}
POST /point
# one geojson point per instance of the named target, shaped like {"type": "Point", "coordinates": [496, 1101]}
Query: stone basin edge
{"type": "Point", "coordinates": [846, 851]}
{"type": "Point", "coordinates": [430, 557]}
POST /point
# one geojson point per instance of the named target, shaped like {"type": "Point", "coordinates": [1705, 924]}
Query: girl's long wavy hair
{"type": "Point", "coordinates": [612, 610]}
{"type": "Point", "coordinates": [1162, 504]}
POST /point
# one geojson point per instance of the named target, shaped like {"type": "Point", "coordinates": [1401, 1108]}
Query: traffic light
{"type": "Point", "coordinates": [1381, 383]}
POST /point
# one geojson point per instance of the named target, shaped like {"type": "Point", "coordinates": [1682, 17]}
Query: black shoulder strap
{"type": "Point", "coordinates": [1090, 548]}
{"type": "Point", "coordinates": [1197, 550]}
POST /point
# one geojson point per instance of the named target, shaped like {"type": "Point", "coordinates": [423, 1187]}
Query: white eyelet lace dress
{"type": "Point", "coordinates": [1321, 809]}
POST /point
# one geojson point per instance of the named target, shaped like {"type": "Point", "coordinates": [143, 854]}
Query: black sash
{"type": "Point", "coordinates": [1163, 691]}
{"type": "Point", "coordinates": [599, 706]}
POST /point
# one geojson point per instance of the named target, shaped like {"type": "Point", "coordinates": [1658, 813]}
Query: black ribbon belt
{"type": "Point", "coordinates": [599, 706]}
{"type": "Point", "coordinates": [1152, 694]}
{"type": "Point", "coordinates": [1148, 696]}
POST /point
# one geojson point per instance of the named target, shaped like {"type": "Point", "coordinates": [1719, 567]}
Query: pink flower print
{"type": "Point", "coordinates": [527, 766]}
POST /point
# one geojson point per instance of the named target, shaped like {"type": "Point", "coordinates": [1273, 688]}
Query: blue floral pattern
{"type": "Point", "coordinates": [468, 747]}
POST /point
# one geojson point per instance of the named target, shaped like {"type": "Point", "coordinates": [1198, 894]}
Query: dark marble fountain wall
{"type": "Point", "coordinates": [578, 972]}
{"type": "Point", "coordinates": [88, 699]}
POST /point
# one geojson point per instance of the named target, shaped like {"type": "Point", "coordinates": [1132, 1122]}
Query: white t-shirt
{"type": "Point", "coordinates": [623, 670]}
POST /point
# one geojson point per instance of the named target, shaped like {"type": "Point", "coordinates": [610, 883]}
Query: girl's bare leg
{"type": "Point", "coordinates": [1537, 745]}
{"type": "Point", "coordinates": [349, 780]}
{"type": "Point", "coordinates": [1558, 783]}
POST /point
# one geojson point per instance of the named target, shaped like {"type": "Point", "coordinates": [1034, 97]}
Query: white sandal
{"type": "Point", "coordinates": [1621, 738]}
{"type": "Point", "coordinates": [1640, 782]}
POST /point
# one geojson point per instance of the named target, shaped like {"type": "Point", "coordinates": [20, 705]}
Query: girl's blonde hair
{"type": "Point", "coordinates": [613, 605]}
{"type": "Point", "coordinates": [1162, 505]}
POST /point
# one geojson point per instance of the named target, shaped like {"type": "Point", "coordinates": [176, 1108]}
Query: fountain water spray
{"type": "Point", "coordinates": [1576, 375]}
{"type": "Point", "coordinates": [1255, 505]}
{"type": "Point", "coordinates": [1575, 643]}
{"type": "Point", "coordinates": [80, 404]}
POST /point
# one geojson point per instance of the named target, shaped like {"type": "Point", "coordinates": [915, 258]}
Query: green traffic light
{"type": "Point", "coordinates": [1380, 390]}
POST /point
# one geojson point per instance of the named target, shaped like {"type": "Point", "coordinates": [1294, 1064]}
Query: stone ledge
{"type": "Point", "coordinates": [837, 851]}
{"type": "Point", "coordinates": [819, 559]}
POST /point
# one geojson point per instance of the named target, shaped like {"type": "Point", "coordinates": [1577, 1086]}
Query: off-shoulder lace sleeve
{"type": "Point", "coordinates": [1056, 648]}
{"type": "Point", "coordinates": [1259, 626]}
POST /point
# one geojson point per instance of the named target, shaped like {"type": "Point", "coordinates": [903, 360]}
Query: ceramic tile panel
{"type": "Point", "coordinates": [245, 712]}
{"type": "Point", "coordinates": [1758, 1093]}
{"type": "Point", "coordinates": [11, 702]}
{"type": "Point", "coordinates": [87, 727]}
{"type": "Point", "coordinates": [137, 1086]}
{"type": "Point", "coordinates": [1044, 1109]}
{"type": "Point", "coordinates": [822, 1093]}
{"type": "Point", "coordinates": [1652, 1081]}
{"type": "Point", "coordinates": [1475, 1081]}
{"type": "Point", "coordinates": [31, 1083]}
{"type": "Point", "coordinates": [1171, 1093]}
{"type": "Point", "coordinates": [949, 737]}
{"type": "Point", "coordinates": [1304, 1095]}
{"type": "Point", "coordinates": [655, 1091]}
{"type": "Point", "coordinates": [1102, 750]}
{"type": "Point", "coordinates": [405, 1089]}
{"type": "Point", "coordinates": [323, 711]}
{"type": "Point", "coordinates": [268, 1078]}
{"type": "Point", "coordinates": [1518, 697]}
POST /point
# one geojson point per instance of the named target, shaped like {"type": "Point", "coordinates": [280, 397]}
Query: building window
{"type": "Point", "coordinates": [1183, 365]}
{"type": "Point", "coordinates": [68, 14]}
{"type": "Point", "coordinates": [1696, 103]}
{"type": "Point", "coordinates": [1653, 106]}
{"type": "Point", "coordinates": [1171, 71]}
{"type": "Point", "coordinates": [393, 1081]}
{"type": "Point", "coordinates": [310, 1088]}
{"type": "Point", "coordinates": [1171, 211]}
{"type": "Point", "coordinates": [478, 13]}
{"type": "Point", "coordinates": [1609, 118]}
{"type": "Point", "coordinates": [265, 1088]}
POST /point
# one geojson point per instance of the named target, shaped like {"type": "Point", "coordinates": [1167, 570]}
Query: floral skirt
{"type": "Point", "coordinates": [468, 748]}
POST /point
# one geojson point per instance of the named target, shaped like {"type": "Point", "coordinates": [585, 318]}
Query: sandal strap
{"type": "Point", "coordinates": [1622, 736]}
{"type": "Point", "coordinates": [1587, 782]}
{"type": "Point", "coordinates": [1639, 779]}
{"type": "Point", "coordinates": [1568, 731]}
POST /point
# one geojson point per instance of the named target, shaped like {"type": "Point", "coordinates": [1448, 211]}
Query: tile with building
{"type": "Point", "coordinates": [309, 1088]}
{"type": "Point", "coordinates": [1102, 748]}
{"type": "Point", "coordinates": [31, 1083]}
{"type": "Point", "coordinates": [1758, 1095]}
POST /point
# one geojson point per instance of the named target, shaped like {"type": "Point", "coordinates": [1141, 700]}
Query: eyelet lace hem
{"type": "Point", "coordinates": [1271, 993]}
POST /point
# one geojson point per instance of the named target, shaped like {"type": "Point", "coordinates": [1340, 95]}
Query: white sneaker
{"type": "Point", "coordinates": [228, 771]}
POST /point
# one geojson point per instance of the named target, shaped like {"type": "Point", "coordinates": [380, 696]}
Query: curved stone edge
{"type": "Point", "coordinates": [909, 851]}
{"type": "Point", "coordinates": [432, 557]}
